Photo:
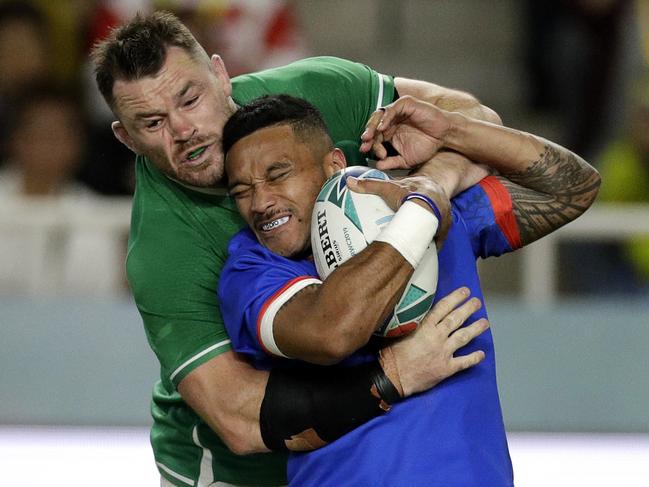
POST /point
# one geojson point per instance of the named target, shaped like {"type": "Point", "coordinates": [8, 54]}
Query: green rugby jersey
{"type": "Point", "coordinates": [177, 247]}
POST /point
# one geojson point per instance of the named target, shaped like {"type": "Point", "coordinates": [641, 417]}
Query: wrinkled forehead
{"type": "Point", "coordinates": [180, 72]}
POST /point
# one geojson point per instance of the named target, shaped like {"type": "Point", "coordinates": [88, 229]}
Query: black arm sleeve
{"type": "Point", "coordinates": [305, 408]}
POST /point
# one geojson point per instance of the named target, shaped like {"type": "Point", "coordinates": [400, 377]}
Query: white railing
{"type": "Point", "coordinates": [31, 235]}
{"type": "Point", "coordinates": [106, 214]}
{"type": "Point", "coordinates": [602, 222]}
{"type": "Point", "coordinates": [111, 216]}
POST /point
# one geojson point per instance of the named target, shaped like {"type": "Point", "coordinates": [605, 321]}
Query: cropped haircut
{"type": "Point", "coordinates": [271, 110]}
{"type": "Point", "coordinates": [139, 48]}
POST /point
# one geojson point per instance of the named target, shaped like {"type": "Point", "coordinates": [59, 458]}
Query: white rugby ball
{"type": "Point", "coordinates": [345, 222]}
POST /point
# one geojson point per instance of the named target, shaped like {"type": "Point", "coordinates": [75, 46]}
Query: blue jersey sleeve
{"type": "Point", "coordinates": [487, 213]}
{"type": "Point", "coordinates": [254, 284]}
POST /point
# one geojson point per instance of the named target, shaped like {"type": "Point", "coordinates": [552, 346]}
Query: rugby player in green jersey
{"type": "Point", "coordinates": [171, 101]}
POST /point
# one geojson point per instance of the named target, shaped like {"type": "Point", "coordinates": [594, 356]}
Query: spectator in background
{"type": "Point", "coordinates": [45, 149]}
{"type": "Point", "coordinates": [250, 35]}
{"type": "Point", "coordinates": [23, 55]}
{"type": "Point", "coordinates": [624, 166]}
{"type": "Point", "coordinates": [572, 55]}
{"type": "Point", "coordinates": [46, 144]}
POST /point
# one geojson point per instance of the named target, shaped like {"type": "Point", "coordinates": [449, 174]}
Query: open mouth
{"type": "Point", "coordinates": [273, 224]}
{"type": "Point", "coordinates": [196, 153]}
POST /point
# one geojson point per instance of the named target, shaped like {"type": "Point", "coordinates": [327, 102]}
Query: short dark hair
{"type": "Point", "coordinates": [271, 110]}
{"type": "Point", "coordinates": [139, 48]}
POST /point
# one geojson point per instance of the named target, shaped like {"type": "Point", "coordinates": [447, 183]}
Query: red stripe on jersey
{"type": "Point", "coordinates": [268, 302]}
{"type": "Point", "coordinates": [501, 202]}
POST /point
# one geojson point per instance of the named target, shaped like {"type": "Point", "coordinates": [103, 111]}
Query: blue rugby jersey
{"type": "Point", "coordinates": [452, 435]}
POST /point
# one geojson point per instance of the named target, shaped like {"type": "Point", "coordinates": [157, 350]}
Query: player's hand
{"type": "Point", "coordinates": [393, 192]}
{"type": "Point", "coordinates": [416, 129]}
{"type": "Point", "coordinates": [424, 358]}
{"type": "Point", "coordinates": [453, 172]}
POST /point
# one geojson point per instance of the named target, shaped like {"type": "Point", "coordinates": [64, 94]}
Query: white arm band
{"type": "Point", "coordinates": [410, 232]}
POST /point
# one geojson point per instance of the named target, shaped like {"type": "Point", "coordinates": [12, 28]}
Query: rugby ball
{"type": "Point", "coordinates": [345, 222]}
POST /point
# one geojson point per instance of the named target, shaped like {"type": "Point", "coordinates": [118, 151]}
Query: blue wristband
{"type": "Point", "coordinates": [425, 199]}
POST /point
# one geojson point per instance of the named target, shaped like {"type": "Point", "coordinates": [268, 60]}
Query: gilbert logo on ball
{"type": "Point", "coordinates": [344, 223]}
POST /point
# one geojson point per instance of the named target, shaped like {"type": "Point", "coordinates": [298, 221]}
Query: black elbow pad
{"type": "Point", "coordinates": [307, 407]}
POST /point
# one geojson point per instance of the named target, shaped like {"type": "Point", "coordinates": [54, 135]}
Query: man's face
{"type": "Point", "coordinates": [274, 178]}
{"type": "Point", "coordinates": [176, 117]}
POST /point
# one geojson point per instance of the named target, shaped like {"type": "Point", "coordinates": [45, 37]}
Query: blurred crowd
{"type": "Point", "coordinates": [55, 137]}
{"type": "Point", "coordinates": [44, 48]}
{"type": "Point", "coordinates": [56, 145]}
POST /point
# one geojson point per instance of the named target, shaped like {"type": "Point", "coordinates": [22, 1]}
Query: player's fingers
{"type": "Point", "coordinates": [464, 362]}
{"type": "Point", "coordinates": [445, 305]}
{"type": "Point", "coordinates": [394, 162]}
{"type": "Point", "coordinates": [389, 191]}
{"type": "Point", "coordinates": [464, 335]}
{"type": "Point", "coordinates": [369, 135]}
{"type": "Point", "coordinates": [372, 123]}
{"type": "Point", "coordinates": [459, 315]}
{"type": "Point", "coordinates": [367, 186]}
{"type": "Point", "coordinates": [390, 112]}
{"type": "Point", "coordinates": [378, 149]}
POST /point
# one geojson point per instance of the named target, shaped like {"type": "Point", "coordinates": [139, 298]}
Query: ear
{"type": "Point", "coordinates": [222, 74]}
{"type": "Point", "coordinates": [122, 135]}
{"type": "Point", "coordinates": [335, 162]}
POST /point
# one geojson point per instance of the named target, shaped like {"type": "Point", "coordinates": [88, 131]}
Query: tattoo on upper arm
{"type": "Point", "coordinates": [552, 191]}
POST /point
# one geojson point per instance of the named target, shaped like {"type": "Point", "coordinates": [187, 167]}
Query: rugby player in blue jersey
{"type": "Point", "coordinates": [275, 307]}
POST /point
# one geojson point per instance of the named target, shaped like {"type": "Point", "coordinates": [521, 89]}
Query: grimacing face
{"type": "Point", "coordinates": [176, 117]}
{"type": "Point", "coordinates": [274, 179]}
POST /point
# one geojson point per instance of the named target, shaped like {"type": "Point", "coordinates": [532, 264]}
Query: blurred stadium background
{"type": "Point", "coordinates": [570, 314]}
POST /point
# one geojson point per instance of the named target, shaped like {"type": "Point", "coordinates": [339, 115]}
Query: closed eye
{"type": "Point", "coordinates": [191, 102]}
{"type": "Point", "coordinates": [278, 175]}
{"type": "Point", "coordinates": [238, 193]}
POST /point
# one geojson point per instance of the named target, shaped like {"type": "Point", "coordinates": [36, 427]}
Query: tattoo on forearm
{"type": "Point", "coordinates": [553, 191]}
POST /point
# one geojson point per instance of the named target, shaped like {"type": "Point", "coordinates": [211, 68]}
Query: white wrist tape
{"type": "Point", "coordinates": [410, 232]}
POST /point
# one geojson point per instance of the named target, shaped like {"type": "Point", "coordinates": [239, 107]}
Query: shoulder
{"type": "Point", "coordinates": [310, 77]}
{"type": "Point", "coordinates": [489, 196]}
{"type": "Point", "coordinates": [308, 67]}
{"type": "Point", "coordinates": [470, 202]}
{"type": "Point", "coordinates": [244, 245]}
{"type": "Point", "coordinates": [246, 254]}
{"type": "Point", "coordinates": [486, 212]}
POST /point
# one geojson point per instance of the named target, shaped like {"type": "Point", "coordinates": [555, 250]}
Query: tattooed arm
{"type": "Point", "coordinates": [549, 185]}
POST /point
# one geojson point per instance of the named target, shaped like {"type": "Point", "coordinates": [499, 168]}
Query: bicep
{"type": "Point", "coordinates": [446, 98]}
{"type": "Point", "coordinates": [226, 392]}
{"type": "Point", "coordinates": [253, 294]}
{"type": "Point", "coordinates": [299, 327]}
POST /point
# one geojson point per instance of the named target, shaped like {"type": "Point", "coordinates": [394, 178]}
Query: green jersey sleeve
{"type": "Point", "coordinates": [345, 92]}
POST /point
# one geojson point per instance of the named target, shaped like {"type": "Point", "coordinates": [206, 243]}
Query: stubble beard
{"type": "Point", "coordinates": [209, 175]}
